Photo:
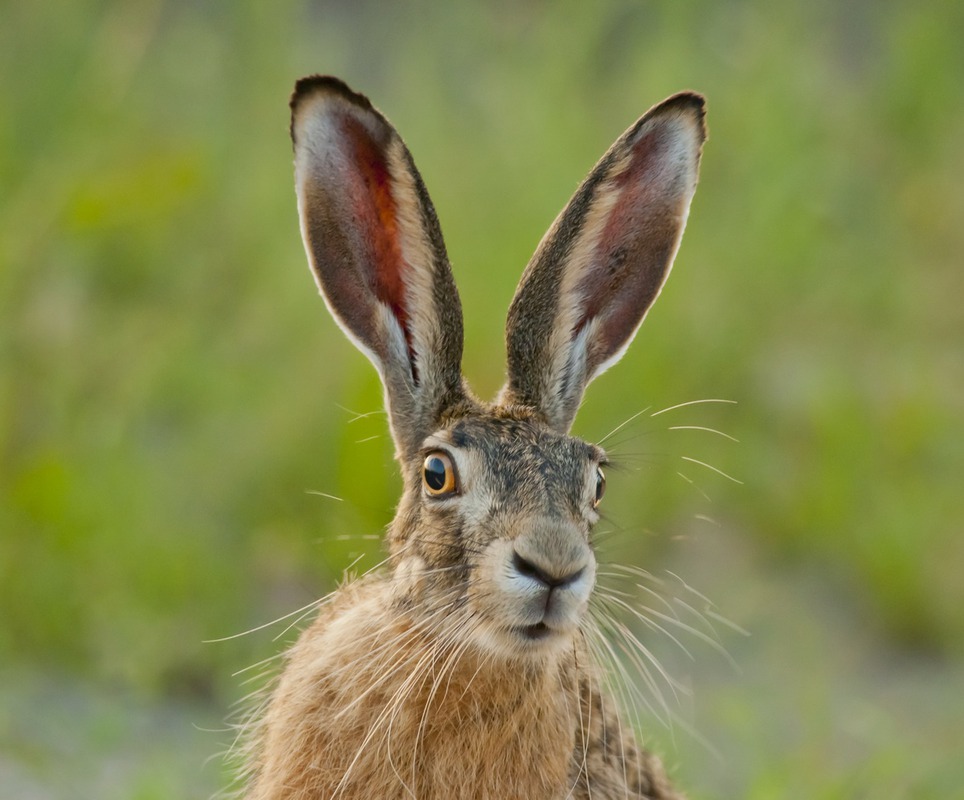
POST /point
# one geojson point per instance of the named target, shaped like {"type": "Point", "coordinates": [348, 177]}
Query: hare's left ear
{"type": "Point", "coordinates": [603, 262]}
{"type": "Point", "coordinates": [376, 251]}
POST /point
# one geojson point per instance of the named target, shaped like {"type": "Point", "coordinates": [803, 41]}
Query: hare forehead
{"type": "Point", "coordinates": [511, 454]}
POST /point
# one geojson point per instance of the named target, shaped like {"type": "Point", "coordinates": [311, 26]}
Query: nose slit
{"type": "Point", "coordinates": [532, 570]}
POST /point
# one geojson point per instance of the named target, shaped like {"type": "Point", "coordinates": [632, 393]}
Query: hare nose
{"type": "Point", "coordinates": [550, 579]}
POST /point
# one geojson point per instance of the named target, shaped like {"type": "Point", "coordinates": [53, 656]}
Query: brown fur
{"type": "Point", "coordinates": [447, 724]}
{"type": "Point", "coordinates": [465, 670]}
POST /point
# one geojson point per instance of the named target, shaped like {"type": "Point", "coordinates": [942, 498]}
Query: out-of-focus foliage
{"type": "Point", "coordinates": [172, 390]}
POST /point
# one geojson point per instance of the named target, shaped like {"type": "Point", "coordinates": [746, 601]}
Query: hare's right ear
{"type": "Point", "coordinates": [603, 262]}
{"type": "Point", "coordinates": [376, 250]}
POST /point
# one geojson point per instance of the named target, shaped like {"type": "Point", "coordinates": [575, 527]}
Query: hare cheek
{"type": "Point", "coordinates": [409, 576]}
{"type": "Point", "coordinates": [493, 591]}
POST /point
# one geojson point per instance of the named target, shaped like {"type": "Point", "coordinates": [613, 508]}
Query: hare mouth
{"type": "Point", "coordinates": [535, 633]}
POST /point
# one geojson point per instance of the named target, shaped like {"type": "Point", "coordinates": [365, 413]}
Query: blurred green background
{"type": "Point", "coordinates": [173, 395]}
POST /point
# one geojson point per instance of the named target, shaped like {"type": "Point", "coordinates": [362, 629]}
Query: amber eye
{"type": "Point", "coordinates": [600, 486]}
{"type": "Point", "coordinates": [438, 474]}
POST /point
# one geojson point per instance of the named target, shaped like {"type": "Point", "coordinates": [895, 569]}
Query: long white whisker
{"type": "Point", "coordinates": [651, 624]}
{"type": "Point", "coordinates": [692, 483]}
{"type": "Point", "coordinates": [708, 466]}
{"type": "Point", "coordinates": [642, 669]}
{"type": "Point", "coordinates": [316, 493]}
{"type": "Point", "coordinates": [307, 608]}
{"type": "Point", "coordinates": [709, 640]}
{"type": "Point", "coordinates": [703, 428]}
{"type": "Point", "coordinates": [386, 714]}
{"type": "Point", "coordinates": [624, 423]}
{"type": "Point", "coordinates": [360, 415]}
{"type": "Point", "coordinates": [692, 403]}
{"type": "Point", "coordinates": [727, 622]}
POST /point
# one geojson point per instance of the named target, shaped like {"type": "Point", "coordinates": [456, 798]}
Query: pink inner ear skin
{"type": "Point", "coordinates": [373, 206]}
{"type": "Point", "coordinates": [632, 252]}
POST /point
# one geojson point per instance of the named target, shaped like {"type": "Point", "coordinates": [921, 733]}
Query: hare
{"type": "Point", "coordinates": [462, 671]}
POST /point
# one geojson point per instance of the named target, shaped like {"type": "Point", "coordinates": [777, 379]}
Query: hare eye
{"type": "Point", "coordinates": [600, 486]}
{"type": "Point", "coordinates": [438, 474]}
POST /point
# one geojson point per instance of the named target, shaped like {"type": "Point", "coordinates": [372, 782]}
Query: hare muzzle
{"type": "Point", "coordinates": [550, 575]}
{"type": "Point", "coordinates": [534, 589]}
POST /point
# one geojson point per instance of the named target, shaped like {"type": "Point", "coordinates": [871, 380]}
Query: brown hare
{"type": "Point", "coordinates": [463, 670]}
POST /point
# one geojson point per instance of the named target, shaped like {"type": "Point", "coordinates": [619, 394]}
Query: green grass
{"type": "Point", "coordinates": [171, 387]}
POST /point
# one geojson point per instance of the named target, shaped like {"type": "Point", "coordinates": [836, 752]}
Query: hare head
{"type": "Point", "coordinates": [492, 542]}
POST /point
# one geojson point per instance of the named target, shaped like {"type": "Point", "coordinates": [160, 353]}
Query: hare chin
{"type": "Point", "coordinates": [523, 642]}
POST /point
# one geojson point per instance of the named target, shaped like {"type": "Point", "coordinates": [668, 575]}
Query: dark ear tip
{"type": "Point", "coordinates": [325, 84]}
{"type": "Point", "coordinates": [688, 102]}
{"type": "Point", "coordinates": [687, 99]}
{"type": "Point", "coordinates": [315, 85]}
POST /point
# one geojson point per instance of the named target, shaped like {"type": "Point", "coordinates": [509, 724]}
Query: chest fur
{"type": "Point", "coordinates": [354, 717]}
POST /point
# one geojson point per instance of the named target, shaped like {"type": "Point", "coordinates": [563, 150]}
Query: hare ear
{"type": "Point", "coordinates": [603, 262]}
{"type": "Point", "coordinates": [376, 251]}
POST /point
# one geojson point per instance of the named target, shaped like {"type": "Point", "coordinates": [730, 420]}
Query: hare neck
{"type": "Point", "coordinates": [455, 716]}
{"type": "Point", "coordinates": [369, 706]}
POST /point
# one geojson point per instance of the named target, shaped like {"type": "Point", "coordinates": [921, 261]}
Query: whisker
{"type": "Point", "coordinates": [294, 623]}
{"type": "Point", "coordinates": [324, 494]}
{"type": "Point", "coordinates": [643, 670]}
{"type": "Point", "coordinates": [692, 403]}
{"type": "Point", "coordinates": [389, 712]}
{"type": "Point", "coordinates": [708, 466]}
{"type": "Point", "coordinates": [263, 662]}
{"type": "Point", "coordinates": [609, 590]}
{"type": "Point", "coordinates": [360, 415]}
{"type": "Point", "coordinates": [649, 623]}
{"type": "Point", "coordinates": [303, 609]}
{"type": "Point", "coordinates": [699, 616]}
{"type": "Point", "coordinates": [727, 622]}
{"type": "Point", "coordinates": [703, 428]}
{"type": "Point", "coordinates": [712, 638]}
{"type": "Point", "coordinates": [713, 643]}
{"type": "Point", "coordinates": [692, 483]}
{"type": "Point", "coordinates": [624, 423]}
{"type": "Point", "coordinates": [637, 572]}
{"type": "Point", "coordinates": [690, 589]}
